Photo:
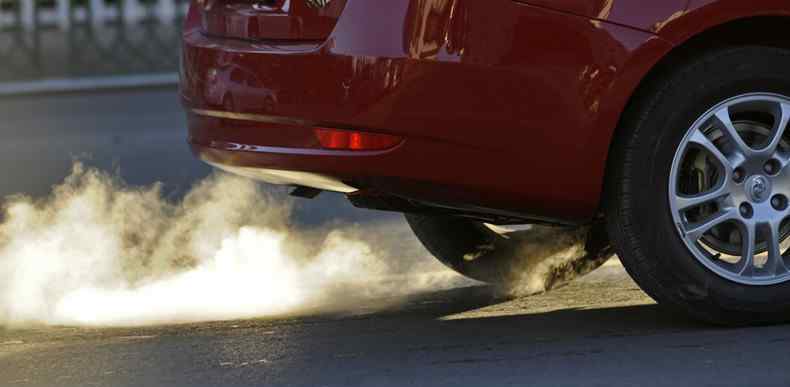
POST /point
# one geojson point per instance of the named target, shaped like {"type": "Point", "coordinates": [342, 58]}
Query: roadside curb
{"type": "Point", "coordinates": [68, 85]}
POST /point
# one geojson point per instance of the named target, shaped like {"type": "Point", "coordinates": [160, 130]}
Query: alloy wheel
{"type": "Point", "coordinates": [729, 189]}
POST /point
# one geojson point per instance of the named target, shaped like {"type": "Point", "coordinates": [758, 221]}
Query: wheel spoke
{"type": "Point", "coordinates": [728, 128]}
{"type": "Point", "coordinates": [686, 202]}
{"type": "Point", "coordinates": [745, 266]}
{"type": "Point", "coordinates": [701, 140]}
{"type": "Point", "coordinates": [779, 128]}
{"type": "Point", "coordinates": [695, 231]}
{"type": "Point", "coordinates": [776, 263]}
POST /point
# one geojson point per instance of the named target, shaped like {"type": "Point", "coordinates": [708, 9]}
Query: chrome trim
{"type": "Point", "coordinates": [283, 177]}
{"type": "Point", "coordinates": [251, 117]}
{"type": "Point", "coordinates": [236, 147]}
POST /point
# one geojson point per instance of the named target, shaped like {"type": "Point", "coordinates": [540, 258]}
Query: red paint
{"type": "Point", "coordinates": [502, 105]}
{"type": "Point", "coordinates": [650, 15]}
{"type": "Point", "coordinates": [705, 14]}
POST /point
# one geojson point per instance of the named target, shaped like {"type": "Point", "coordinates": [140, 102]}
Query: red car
{"type": "Point", "coordinates": [656, 125]}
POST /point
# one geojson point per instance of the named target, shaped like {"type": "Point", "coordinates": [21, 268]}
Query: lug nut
{"type": "Point", "coordinates": [779, 202]}
{"type": "Point", "coordinates": [746, 210]}
{"type": "Point", "coordinates": [737, 175]}
{"type": "Point", "coordinates": [771, 167]}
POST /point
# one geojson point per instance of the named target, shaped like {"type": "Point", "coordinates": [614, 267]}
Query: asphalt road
{"type": "Point", "coordinates": [140, 134]}
{"type": "Point", "coordinates": [601, 330]}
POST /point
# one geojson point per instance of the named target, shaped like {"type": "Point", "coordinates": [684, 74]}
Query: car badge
{"type": "Point", "coordinates": [318, 3]}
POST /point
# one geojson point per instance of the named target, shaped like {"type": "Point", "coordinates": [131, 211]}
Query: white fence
{"type": "Point", "coordinates": [31, 14]}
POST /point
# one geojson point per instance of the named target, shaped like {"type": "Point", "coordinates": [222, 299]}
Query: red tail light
{"type": "Point", "coordinates": [355, 141]}
{"type": "Point", "coordinates": [305, 20]}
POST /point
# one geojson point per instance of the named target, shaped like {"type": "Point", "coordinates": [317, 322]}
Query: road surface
{"type": "Point", "coordinates": [600, 331]}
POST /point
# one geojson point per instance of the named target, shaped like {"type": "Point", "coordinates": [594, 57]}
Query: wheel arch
{"type": "Point", "coordinates": [753, 30]}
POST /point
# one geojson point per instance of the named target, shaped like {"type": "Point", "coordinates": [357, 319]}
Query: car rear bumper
{"type": "Point", "coordinates": [418, 169]}
{"type": "Point", "coordinates": [486, 125]}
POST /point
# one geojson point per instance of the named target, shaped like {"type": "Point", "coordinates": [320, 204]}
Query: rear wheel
{"type": "Point", "coordinates": [526, 260]}
{"type": "Point", "coordinates": [699, 184]}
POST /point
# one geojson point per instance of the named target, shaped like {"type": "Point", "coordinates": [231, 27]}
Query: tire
{"type": "Point", "coordinates": [522, 262]}
{"type": "Point", "coordinates": [640, 217]}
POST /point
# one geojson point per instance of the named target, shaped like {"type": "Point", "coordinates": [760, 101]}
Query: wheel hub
{"type": "Point", "coordinates": [758, 188]}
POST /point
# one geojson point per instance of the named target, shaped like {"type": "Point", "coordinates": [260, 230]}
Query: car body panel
{"type": "Point", "coordinates": [640, 14]}
{"type": "Point", "coordinates": [503, 106]}
{"type": "Point", "coordinates": [703, 15]}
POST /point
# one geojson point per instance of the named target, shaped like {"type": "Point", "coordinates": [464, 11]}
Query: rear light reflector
{"type": "Point", "coordinates": [337, 139]}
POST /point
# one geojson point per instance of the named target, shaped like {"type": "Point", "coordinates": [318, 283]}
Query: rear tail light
{"type": "Point", "coordinates": [350, 140]}
{"type": "Point", "coordinates": [304, 20]}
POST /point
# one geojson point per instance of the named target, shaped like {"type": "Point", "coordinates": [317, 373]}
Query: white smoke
{"type": "Point", "coordinates": [97, 252]}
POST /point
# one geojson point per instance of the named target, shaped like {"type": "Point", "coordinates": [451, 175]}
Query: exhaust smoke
{"type": "Point", "coordinates": [97, 252]}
